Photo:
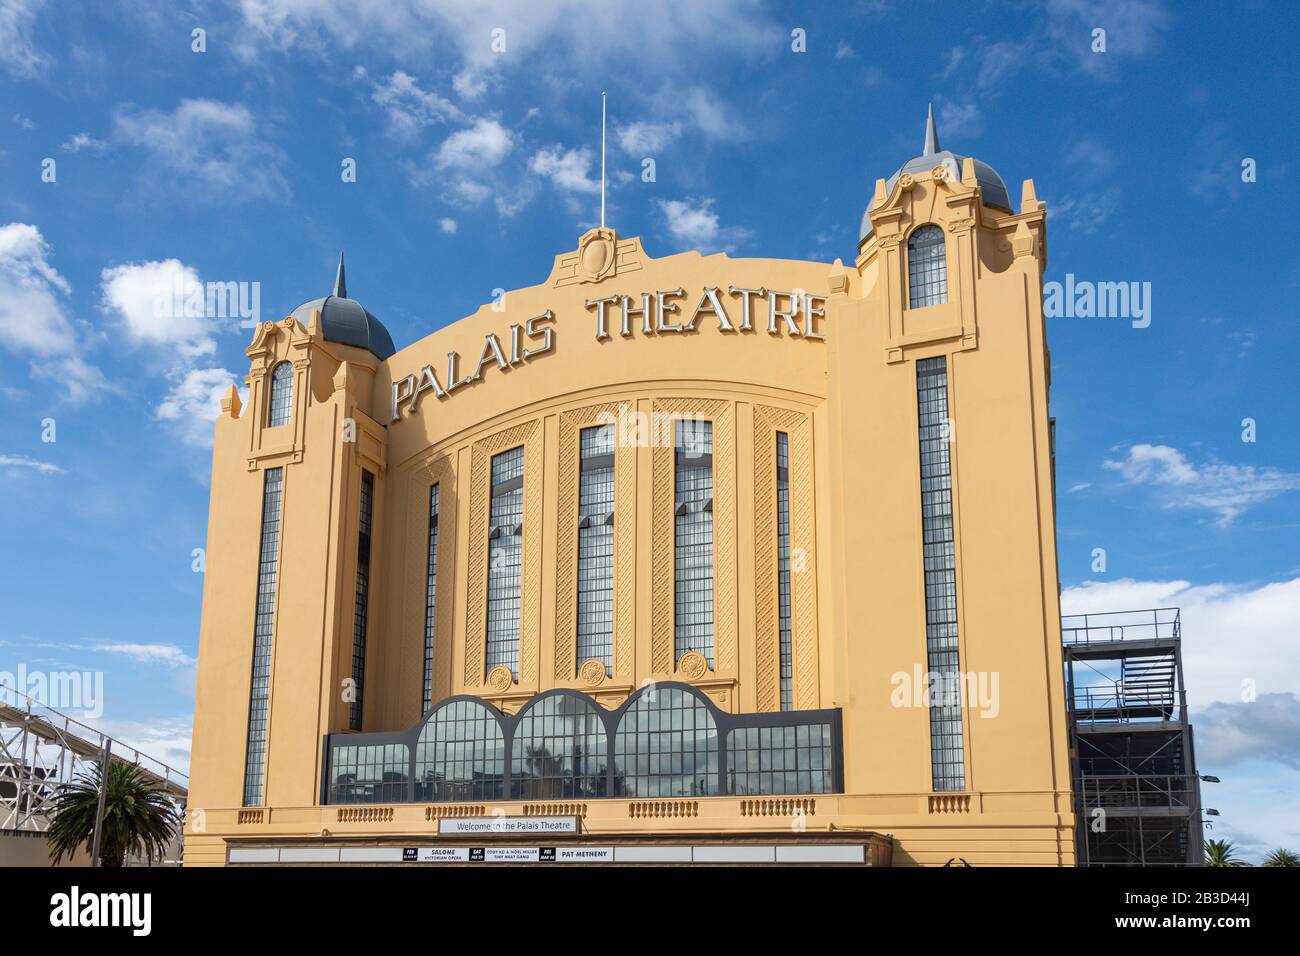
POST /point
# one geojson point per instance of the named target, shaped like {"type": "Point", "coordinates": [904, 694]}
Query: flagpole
{"type": "Point", "coordinates": [602, 160]}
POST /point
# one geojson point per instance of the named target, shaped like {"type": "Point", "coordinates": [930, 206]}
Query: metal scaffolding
{"type": "Point", "coordinates": [1136, 790]}
{"type": "Point", "coordinates": [42, 749]}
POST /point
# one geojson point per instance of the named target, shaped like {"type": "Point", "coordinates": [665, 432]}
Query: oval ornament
{"type": "Point", "coordinates": [592, 672]}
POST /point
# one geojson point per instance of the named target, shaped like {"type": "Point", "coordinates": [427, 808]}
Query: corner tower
{"type": "Point", "coordinates": [946, 600]}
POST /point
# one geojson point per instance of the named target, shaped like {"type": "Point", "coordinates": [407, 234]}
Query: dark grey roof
{"type": "Point", "coordinates": [346, 321]}
{"type": "Point", "coordinates": [993, 191]}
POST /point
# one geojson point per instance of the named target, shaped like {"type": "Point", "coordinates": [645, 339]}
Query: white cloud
{"type": "Point", "coordinates": [843, 51]}
{"type": "Point", "coordinates": [168, 655]}
{"type": "Point", "coordinates": [957, 119]}
{"type": "Point", "coordinates": [468, 85]}
{"type": "Point", "coordinates": [164, 739]}
{"type": "Point", "coordinates": [567, 169]}
{"type": "Point", "coordinates": [23, 122]}
{"type": "Point", "coordinates": [1215, 486]}
{"type": "Point", "coordinates": [447, 225]}
{"type": "Point", "coordinates": [1133, 28]}
{"type": "Point", "coordinates": [409, 108]}
{"type": "Point", "coordinates": [485, 143]}
{"type": "Point", "coordinates": [33, 320]}
{"type": "Point", "coordinates": [564, 35]}
{"type": "Point", "coordinates": [31, 290]}
{"type": "Point", "coordinates": [84, 141]}
{"type": "Point", "coordinates": [144, 296]}
{"type": "Point", "coordinates": [215, 145]}
{"type": "Point", "coordinates": [194, 402]}
{"type": "Point", "coordinates": [693, 224]}
{"type": "Point", "coordinates": [1085, 213]}
{"type": "Point", "coordinates": [79, 380]}
{"type": "Point", "coordinates": [30, 464]}
{"type": "Point", "coordinates": [18, 53]}
{"type": "Point", "coordinates": [642, 138]}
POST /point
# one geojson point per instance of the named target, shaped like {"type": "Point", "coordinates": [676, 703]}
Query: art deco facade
{"type": "Point", "coordinates": [682, 550]}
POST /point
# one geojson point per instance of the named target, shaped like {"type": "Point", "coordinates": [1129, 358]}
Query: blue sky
{"type": "Point", "coordinates": [475, 167]}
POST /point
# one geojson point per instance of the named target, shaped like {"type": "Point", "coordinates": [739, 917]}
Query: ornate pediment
{"type": "Point", "coordinates": [600, 255]}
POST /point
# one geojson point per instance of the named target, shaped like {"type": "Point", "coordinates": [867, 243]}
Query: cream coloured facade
{"type": "Point", "coordinates": [689, 484]}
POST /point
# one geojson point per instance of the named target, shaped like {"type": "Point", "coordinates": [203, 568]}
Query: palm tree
{"type": "Point", "coordinates": [1221, 853]}
{"type": "Point", "coordinates": [138, 815]}
{"type": "Point", "coordinates": [1280, 857]}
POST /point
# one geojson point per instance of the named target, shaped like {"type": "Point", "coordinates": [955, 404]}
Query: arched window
{"type": "Point", "coordinates": [666, 746]}
{"type": "Point", "coordinates": [460, 755]}
{"type": "Point", "coordinates": [559, 750]}
{"type": "Point", "coordinates": [280, 401]}
{"type": "Point", "coordinates": [927, 268]}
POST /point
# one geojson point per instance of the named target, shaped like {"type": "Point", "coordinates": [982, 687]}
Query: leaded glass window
{"type": "Point", "coordinates": [505, 554]}
{"type": "Point", "coordinates": [666, 746]}
{"type": "Point", "coordinates": [430, 600]}
{"type": "Point", "coordinates": [373, 773]}
{"type": "Point", "coordinates": [784, 622]}
{"type": "Point", "coordinates": [559, 750]}
{"type": "Point", "coordinates": [281, 398]}
{"type": "Point", "coordinates": [693, 537]}
{"type": "Point", "coordinates": [947, 758]}
{"type": "Point", "coordinates": [596, 545]}
{"type": "Point", "coordinates": [263, 631]}
{"type": "Point", "coordinates": [797, 758]}
{"type": "Point", "coordinates": [927, 268]}
{"type": "Point", "coordinates": [460, 754]}
{"type": "Point", "coordinates": [361, 608]}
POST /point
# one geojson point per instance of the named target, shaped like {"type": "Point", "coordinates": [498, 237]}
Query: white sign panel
{"type": "Point", "coordinates": [436, 854]}
{"type": "Point", "coordinates": [483, 825]}
{"type": "Point", "coordinates": [511, 854]}
{"type": "Point", "coordinates": [584, 854]}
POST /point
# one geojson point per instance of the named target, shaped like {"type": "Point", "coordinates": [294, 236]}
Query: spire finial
{"type": "Point", "coordinates": [340, 282]}
{"type": "Point", "coordinates": [931, 134]}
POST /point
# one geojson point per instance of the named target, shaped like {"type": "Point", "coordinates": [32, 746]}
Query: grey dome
{"type": "Point", "coordinates": [347, 321]}
{"type": "Point", "coordinates": [993, 191]}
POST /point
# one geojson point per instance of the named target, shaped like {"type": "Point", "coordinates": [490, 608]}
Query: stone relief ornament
{"type": "Point", "coordinates": [500, 679]}
{"type": "Point", "coordinates": [692, 666]}
{"type": "Point", "coordinates": [592, 672]}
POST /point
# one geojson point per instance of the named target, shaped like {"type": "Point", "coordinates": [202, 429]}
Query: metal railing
{"type": "Point", "coordinates": [1138, 791]}
{"type": "Point", "coordinates": [1155, 624]}
{"type": "Point", "coordinates": [1125, 704]}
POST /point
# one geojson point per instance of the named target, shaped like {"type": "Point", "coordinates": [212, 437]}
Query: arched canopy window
{"type": "Point", "coordinates": [927, 268]}
{"type": "Point", "coordinates": [559, 750]}
{"type": "Point", "coordinates": [460, 754]}
{"type": "Point", "coordinates": [280, 402]}
{"type": "Point", "coordinates": [666, 746]}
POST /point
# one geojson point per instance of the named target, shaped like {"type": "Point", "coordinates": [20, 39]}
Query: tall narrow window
{"type": "Point", "coordinates": [263, 627]}
{"type": "Point", "coordinates": [693, 538]}
{"type": "Point", "coordinates": [927, 268]}
{"type": "Point", "coordinates": [281, 398]}
{"type": "Point", "coordinates": [362, 606]}
{"type": "Point", "coordinates": [596, 545]}
{"type": "Point", "coordinates": [947, 759]}
{"type": "Point", "coordinates": [783, 568]}
{"type": "Point", "coordinates": [431, 600]}
{"type": "Point", "coordinates": [505, 552]}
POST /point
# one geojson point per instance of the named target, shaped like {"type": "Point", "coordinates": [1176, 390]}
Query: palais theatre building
{"type": "Point", "coordinates": [682, 559]}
